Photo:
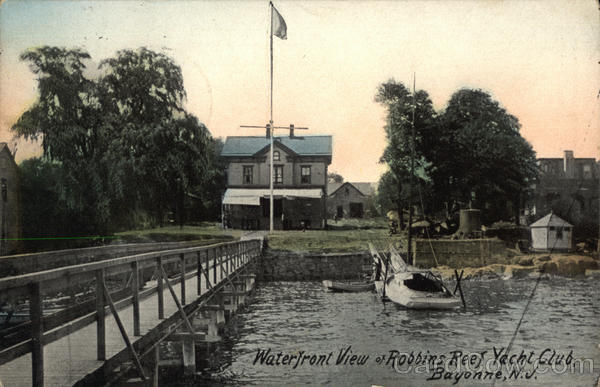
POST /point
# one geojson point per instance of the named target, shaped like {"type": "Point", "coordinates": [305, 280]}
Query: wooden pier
{"type": "Point", "coordinates": [118, 341]}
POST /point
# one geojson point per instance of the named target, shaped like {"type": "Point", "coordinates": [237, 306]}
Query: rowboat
{"type": "Point", "coordinates": [410, 286]}
{"type": "Point", "coordinates": [353, 287]}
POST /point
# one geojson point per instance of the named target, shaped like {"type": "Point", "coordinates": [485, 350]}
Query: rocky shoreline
{"type": "Point", "coordinates": [524, 266]}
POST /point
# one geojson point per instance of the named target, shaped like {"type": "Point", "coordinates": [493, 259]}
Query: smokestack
{"type": "Point", "coordinates": [268, 134]}
{"type": "Point", "coordinates": [569, 164]}
{"type": "Point", "coordinates": [291, 130]}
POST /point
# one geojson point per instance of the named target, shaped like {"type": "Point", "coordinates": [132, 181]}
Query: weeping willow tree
{"type": "Point", "coordinates": [124, 140]}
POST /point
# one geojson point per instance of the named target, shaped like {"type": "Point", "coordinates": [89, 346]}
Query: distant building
{"type": "Point", "coordinates": [570, 179]}
{"type": "Point", "coordinates": [299, 177]}
{"type": "Point", "coordinates": [350, 200]}
{"type": "Point", "coordinates": [551, 233]}
{"type": "Point", "coordinates": [10, 215]}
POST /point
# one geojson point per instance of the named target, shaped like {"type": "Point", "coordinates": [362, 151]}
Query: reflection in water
{"type": "Point", "coordinates": [291, 317]}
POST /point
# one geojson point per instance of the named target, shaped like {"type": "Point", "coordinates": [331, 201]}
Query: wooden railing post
{"type": "Point", "coordinates": [135, 289]}
{"type": "Point", "coordinates": [100, 316]}
{"type": "Point", "coordinates": [159, 288]}
{"type": "Point", "coordinates": [214, 250]}
{"type": "Point", "coordinates": [182, 260]}
{"type": "Point", "coordinates": [199, 273]}
{"type": "Point", "coordinates": [37, 333]}
{"type": "Point", "coordinates": [229, 257]}
{"type": "Point", "coordinates": [221, 255]}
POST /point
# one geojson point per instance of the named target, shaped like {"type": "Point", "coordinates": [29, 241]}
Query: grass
{"type": "Point", "coordinates": [206, 232]}
{"type": "Point", "coordinates": [329, 241]}
{"type": "Point", "coordinates": [344, 236]}
{"type": "Point", "coordinates": [357, 223]}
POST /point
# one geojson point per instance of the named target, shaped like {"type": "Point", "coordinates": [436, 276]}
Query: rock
{"type": "Point", "coordinates": [513, 271]}
{"type": "Point", "coordinates": [525, 261]}
{"type": "Point", "coordinates": [567, 265]}
{"type": "Point", "coordinates": [542, 258]}
{"type": "Point", "coordinates": [548, 267]}
{"type": "Point", "coordinates": [592, 273]}
{"type": "Point", "coordinates": [446, 272]}
{"type": "Point", "coordinates": [491, 271]}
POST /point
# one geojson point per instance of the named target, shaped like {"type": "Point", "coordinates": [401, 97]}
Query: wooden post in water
{"type": "Point", "coordinates": [37, 333]}
{"type": "Point", "coordinates": [189, 356]}
{"type": "Point", "coordinates": [156, 365]}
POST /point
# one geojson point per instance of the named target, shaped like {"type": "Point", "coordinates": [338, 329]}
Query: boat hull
{"type": "Point", "coordinates": [352, 287]}
{"type": "Point", "coordinates": [402, 295]}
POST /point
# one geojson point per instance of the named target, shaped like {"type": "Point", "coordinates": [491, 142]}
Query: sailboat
{"type": "Point", "coordinates": [411, 287]}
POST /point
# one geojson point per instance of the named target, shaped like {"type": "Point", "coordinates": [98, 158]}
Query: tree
{"type": "Point", "coordinates": [469, 154]}
{"type": "Point", "coordinates": [478, 156]}
{"type": "Point", "coordinates": [211, 190]}
{"type": "Point", "coordinates": [68, 119]}
{"type": "Point", "coordinates": [163, 150]}
{"type": "Point", "coordinates": [333, 177]}
{"type": "Point", "coordinates": [398, 155]}
{"type": "Point", "coordinates": [125, 142]}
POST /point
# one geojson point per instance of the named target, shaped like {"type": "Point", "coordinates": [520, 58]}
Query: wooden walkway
{"type": "Point", "coordinates": [68, 359]}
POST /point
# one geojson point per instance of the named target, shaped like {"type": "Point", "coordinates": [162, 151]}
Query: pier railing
{"type": "Point", "coordinates": [211, 264]}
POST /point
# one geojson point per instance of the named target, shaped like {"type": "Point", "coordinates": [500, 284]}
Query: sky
{"type": "Point", "coordinates": [539, 59]}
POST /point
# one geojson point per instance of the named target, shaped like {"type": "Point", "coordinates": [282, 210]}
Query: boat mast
{"type": "Point", "coordinates": [412, 171]}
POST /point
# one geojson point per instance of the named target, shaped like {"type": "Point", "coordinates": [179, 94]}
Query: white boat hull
{"type": "Point", "coordinates": [398, 293]}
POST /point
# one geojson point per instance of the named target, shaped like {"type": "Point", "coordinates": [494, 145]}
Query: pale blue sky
{"type": "Point", "coordinates": [538, 58]}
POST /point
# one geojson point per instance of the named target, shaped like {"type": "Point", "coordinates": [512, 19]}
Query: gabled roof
{"type": "Point", "coordinates": [551, 220]}
{"type": "Point", "coordinates": [5, 149]}
{"type": "Point", "coordinates": [332, 187]}
{"type": "Point", "coordinates": [366, 189]}
{"type": "Point", "coordinates": [251, 145]}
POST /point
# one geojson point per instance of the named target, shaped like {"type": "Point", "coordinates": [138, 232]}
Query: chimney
{"type": "Point", "coordinates": [569, 164]}
{"type": "Point", "coordinates": [268, 126]}
{"type": "Point", "coordinates": [291, 130]}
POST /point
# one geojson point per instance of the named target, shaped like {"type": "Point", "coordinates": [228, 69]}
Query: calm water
{"type": "Point", "coordinates": [290, 317]}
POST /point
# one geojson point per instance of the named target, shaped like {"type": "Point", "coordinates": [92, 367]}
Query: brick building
{"type": "Point", "coordinates": [350, 200]}
{"type": "Point", "coordinates": [299, 181]}
{"type": "Point", "coordinates": [571, 180]}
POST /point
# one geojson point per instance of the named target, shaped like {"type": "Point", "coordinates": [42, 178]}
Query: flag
{"type": "Point", "coordinates": [278, 27]}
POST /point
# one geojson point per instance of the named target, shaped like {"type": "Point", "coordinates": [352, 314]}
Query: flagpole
{"type": "Point", "coordinates": [271, 128]}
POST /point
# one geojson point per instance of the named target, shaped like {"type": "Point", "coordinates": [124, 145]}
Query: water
{"type": "Point", "coordinates": [291, 317]}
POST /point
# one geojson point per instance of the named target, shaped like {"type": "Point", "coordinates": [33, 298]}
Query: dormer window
{"type": "Point", "coordinates": [276, 156]}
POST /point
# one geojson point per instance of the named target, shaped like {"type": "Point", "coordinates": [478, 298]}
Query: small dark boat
{"type": "Point", "coordinates": [353, 287]}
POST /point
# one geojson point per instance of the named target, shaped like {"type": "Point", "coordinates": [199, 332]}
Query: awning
{"type": "Point", "coordinates": [251, 197]}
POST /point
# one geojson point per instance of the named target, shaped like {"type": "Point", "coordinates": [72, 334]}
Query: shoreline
{"type": "Point", "coordinates": [527, 266]}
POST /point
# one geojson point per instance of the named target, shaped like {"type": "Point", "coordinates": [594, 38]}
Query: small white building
{"type": "Point", "coordinates": [551, 233]}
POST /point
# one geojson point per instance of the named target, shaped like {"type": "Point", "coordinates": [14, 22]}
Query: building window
{"type": "Point", "coordinates": [247, 174]}
{"type": "Point", "coordinates": [276, 156]}
{"type": "Point", "coordinates": [305, 174]}
{"type": "Point", "coordinates": [278, 174]}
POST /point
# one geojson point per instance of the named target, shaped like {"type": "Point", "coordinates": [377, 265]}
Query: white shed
{"type": "Point", "coordinates": [551, 233]}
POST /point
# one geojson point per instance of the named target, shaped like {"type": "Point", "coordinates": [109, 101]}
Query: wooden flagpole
{"type": "Point", "coordinates": [271, 130]}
